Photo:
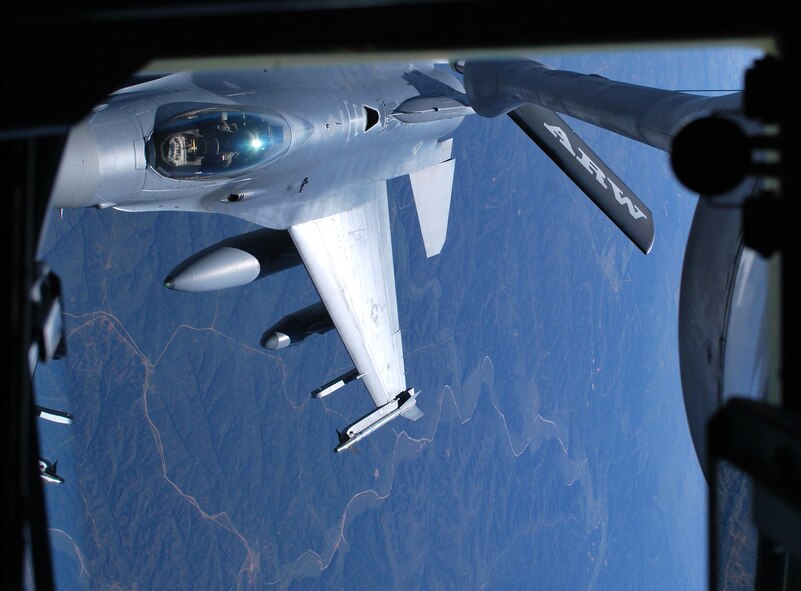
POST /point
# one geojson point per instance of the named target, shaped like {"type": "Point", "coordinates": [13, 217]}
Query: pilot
{"type": "Point", "coordinates": [216, 147]}
{"type": "Point", "coordinates": [224, 126]}
{"type": "Point", "coordinates": [214, 143]}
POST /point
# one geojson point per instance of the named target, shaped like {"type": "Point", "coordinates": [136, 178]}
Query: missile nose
{"type": "Point", "coordinates": [276, 340]}
{"type": "Point", "coordinates": [79, 172]}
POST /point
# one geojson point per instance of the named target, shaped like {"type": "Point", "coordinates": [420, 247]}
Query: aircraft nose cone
{"type": "Point", "coordinates": [277, 340]}
{"type": "Point", "coordinates": [78, 174]}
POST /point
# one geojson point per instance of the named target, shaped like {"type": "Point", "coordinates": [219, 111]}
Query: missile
{"type": "Point", "coordinates": [336, 384]}
{"type": "Point", "coordinates": [49, 337]}
{"type": "Point", "coordinates": [48, 472]}
{"type": "Point", "coordinates": [297, 327]}
{"type": "Point", "coordinates": [235, 261]}
{"type": "Point", "coordinates": [56, 416]}
{"type": "Point", "coordinates": [373, 421]}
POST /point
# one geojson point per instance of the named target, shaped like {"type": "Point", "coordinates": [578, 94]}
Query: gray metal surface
{"type": "Point", "coordinates": [330, 149]}
{"type": "Point", "coordinates": [349, 258]}
{"type": "Point", "coordinates": [331, 140]}
{"type": "Point", "coordinates": [326, 144]}
{"type": "Point", "coordinates": [648, 115]}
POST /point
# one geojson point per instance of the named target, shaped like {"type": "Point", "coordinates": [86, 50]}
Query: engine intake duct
{"type": "Point", "coordinates": [297, 327]}
{"type": "Point", "coordinates": [235, 261]}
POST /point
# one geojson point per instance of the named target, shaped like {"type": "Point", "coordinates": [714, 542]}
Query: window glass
{"type": "Point", "coordinates": [218, 142]}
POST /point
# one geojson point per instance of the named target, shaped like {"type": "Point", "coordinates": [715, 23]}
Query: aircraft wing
{"type": "Point", "coordinates": [349, 258]}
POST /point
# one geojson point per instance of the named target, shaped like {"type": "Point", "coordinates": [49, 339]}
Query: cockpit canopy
{"type": "Point", "coordinates": [218, 142]}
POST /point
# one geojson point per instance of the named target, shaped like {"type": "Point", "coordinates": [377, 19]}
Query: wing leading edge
{"type": "Point", "coordinates": [349, 258]}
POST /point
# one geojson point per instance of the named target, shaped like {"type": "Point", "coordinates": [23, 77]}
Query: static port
{"type": "Point", "coordinates": [234, 197]}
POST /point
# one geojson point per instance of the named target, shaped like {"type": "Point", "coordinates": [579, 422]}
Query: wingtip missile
{"type": "Point", "coordinates": [376, 419]}
{"type": "Point", "coordinates": [48, 472]}
{"type": "Point", "coordinates": [55, 416]}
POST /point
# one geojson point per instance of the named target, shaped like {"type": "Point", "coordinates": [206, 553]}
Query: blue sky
{"type": "Point", "coordinates": [554, 452]}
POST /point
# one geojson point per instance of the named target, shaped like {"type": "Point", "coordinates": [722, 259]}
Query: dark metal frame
{"type": "Point", "coordinates": [97, 49]}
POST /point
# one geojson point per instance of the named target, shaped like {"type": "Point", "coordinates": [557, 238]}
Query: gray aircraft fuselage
{"type": "Point", "coordinates": [275, 147]}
